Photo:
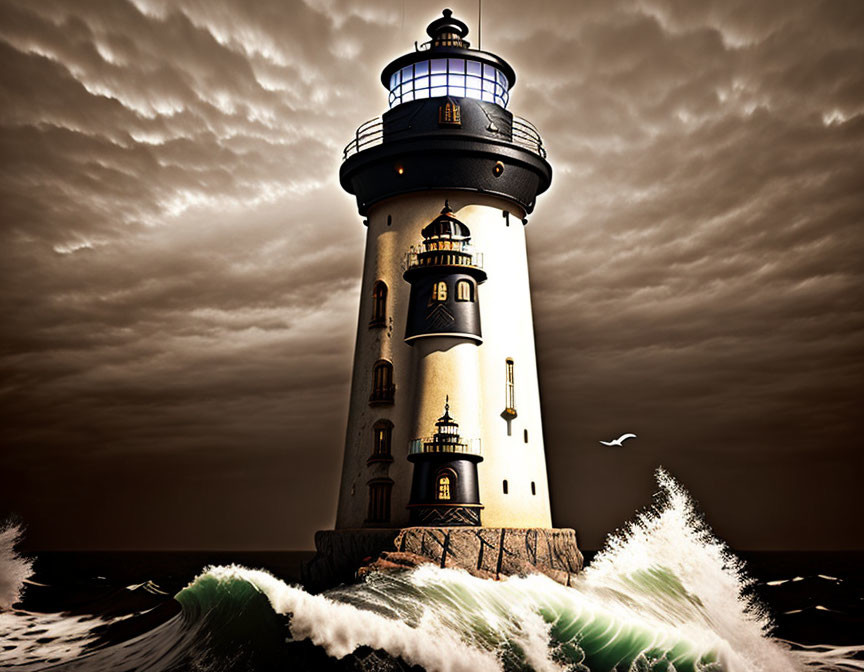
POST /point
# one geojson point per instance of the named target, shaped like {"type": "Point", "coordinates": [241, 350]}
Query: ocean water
{"type": "Point", "coordinates": [663, 595]}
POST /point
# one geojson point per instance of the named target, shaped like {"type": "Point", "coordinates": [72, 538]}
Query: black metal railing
{"type": "Point", "coordinates": [417, 256]}
{"type": "Point", "coordinates": [446, 42]}
{"type": "Point", "coordinates": [371, 133]}
{"type": "Point", "coordinates": [368, 134]}
{"type": "Point", "coordinates": [429, 445]}
{"type": "Point", "coordinates": [525, 134]}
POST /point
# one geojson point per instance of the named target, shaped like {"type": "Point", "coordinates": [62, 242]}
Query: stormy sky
{"type": "Point", "coordinates": [180, 268]}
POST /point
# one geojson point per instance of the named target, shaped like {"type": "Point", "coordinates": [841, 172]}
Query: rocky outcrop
{"type": "Point", "coordinates": [340, 553]}
{"type": "Point", "coordinates": [487, 552]}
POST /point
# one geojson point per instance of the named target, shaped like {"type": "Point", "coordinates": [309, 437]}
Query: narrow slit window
{"type": "Point", "coordinates": [533, 488]}
{"type": "Point", "coordinates": [510, 386]}
{"type": "Point", "coordinates": [505, 486]}
{"type": "Point", "coordinates": [525, 435]}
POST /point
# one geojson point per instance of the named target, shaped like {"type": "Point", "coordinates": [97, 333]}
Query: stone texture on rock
{"type": "Point", "coordinates": [487, 552]}
{"type": "Point", "coordinates": [497, 552]}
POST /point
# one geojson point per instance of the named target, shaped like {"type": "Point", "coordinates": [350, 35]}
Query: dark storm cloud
{"type": "Point", "coordinates": [181, 268]}
{"type": "Point", "coordinates": [705, 284]}
{"type": "Point", "coordinates": [179, 285]}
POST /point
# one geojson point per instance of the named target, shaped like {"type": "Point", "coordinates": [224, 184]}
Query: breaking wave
{"type": "Point", "coordinates": [664, 595]}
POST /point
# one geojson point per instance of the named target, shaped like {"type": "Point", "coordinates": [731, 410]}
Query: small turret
{"type": "Point", "coordinates": [444, 272]}
{"type": "Point", "coordinates": [447, 31]}
{"type": "Point", "coordinates": [444, 490]}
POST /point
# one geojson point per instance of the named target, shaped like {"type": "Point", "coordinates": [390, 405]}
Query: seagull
{"type": "Point", "coordinates": [619, 441]}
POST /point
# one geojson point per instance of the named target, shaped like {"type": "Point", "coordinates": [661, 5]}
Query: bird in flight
{"type": "Point", "coordinates": [619, 441]}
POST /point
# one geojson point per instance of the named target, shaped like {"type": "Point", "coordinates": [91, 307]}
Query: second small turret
{"type": "Point", "coordinates": [444, 273]}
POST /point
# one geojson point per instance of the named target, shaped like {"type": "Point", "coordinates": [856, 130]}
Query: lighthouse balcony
{"type": "Point", "coordinates": [371, 134]}
{"type": "Point", "coordinates": [433, 444]}
{"type": "Point", "coordinates": [421, 257]}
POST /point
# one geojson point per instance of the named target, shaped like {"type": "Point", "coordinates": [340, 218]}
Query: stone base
{"type": "Point", "coordinates": [488, 552]}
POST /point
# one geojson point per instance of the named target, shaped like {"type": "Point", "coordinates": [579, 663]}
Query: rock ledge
{"type": "Point", "coordinates": [487, 552]}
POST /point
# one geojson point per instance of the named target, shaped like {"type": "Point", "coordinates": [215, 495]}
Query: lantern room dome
{"type": "Point", "coordinates": [446, 226]}
{"type": "Point", "coordinates": [447, 31]}
{"type": "Point", "coordinates": [448, 66]}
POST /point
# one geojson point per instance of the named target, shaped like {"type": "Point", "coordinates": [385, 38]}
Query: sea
{"type": "Point", "coordinates": [664, 594]}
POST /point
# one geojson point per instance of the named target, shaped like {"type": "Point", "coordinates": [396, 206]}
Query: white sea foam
{"type": "Point", "coordinates": [14, 569]}
{"type": "Point", "coordinates": [663, 589]}
{"type": "Point", "coordinates": [341, 628]}
{"type": "Point", "coordinates": [30, 639]}
{"type": "Point", "coordinates": [664, 594]}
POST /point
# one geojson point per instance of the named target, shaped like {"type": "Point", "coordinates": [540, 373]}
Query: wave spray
{"type": "Point", "coordinates": [14, 569]}
{"type": "Point", "coordinates": [663, 595]}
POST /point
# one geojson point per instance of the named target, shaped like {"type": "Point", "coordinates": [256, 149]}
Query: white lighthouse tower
{"type": "Point", "coordinates": [445, 179]}
{"type": "Point", "coordinates": [444, 428]}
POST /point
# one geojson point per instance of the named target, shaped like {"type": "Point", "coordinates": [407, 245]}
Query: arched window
{"type": "Point", "coordinates": [382, 383]}
{"type": "Point", "coordinates": [444, 485]}
{"type": "Point", "coordinates": [379, 501]}
{"type": "Point", "coordinates": [450, 114]}
{"type": "Point", "coordinates": [379, 304]}
{"type": "Point", "coordinates": [439, 291]}
{"type": "Point", "coordinates": [382, 433]}
{"type": "Point", "coordinates": [464, 290]}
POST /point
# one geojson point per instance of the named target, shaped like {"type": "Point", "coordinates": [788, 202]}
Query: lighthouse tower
{"type": "Point", "coordinates": [444, 427]}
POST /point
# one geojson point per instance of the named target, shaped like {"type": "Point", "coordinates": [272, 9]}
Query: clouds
{"type": "Point", "coordinates": [708, 284]}
{"type": "Point", "coordinates": [180, 267]}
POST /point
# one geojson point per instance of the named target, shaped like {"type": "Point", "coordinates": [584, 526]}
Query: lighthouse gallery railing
{"type": "Point", "coordinates": [428, 445]}
{"type": "Point", "coordinates": [417, 255]}
{"type": "Point", "coordinates": [371, 133]}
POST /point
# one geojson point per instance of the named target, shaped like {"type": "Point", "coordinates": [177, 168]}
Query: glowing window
{"type": "Point", "coordinates": [449, 77]}
{"type": "Point", "coordinates": [450, 114]}
{"type": "Point", "coordinates": [464, 290]}
{"type": "Point", "coordinates": [510, 387]}
{"type": "Point", "coordinates": [439, 291]}
{"type": "Point", "coordinates": [382, 433]}
{"type": "Point", "coordinates": [444, 487]}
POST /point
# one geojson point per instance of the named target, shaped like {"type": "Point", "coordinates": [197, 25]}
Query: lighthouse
{"type": "Point", "coordinates": [444, 429]}
{"type": "Point", "coordinates": [445, 180]}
